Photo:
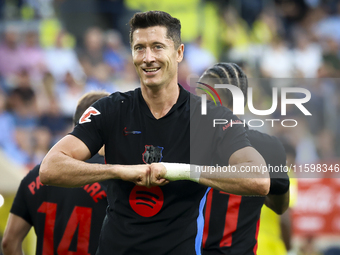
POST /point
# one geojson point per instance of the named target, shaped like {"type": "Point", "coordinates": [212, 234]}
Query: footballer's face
{"type": "Point", "coordinates": [155, 56]}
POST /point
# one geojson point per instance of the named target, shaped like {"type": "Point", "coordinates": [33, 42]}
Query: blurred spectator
{"type": "Point", "coordinates": [115, 53]}
{"type": "Point", "coordinates": [184, 73]}
{"type": "Point", "coordinates": [22, 102]}
{"type": "Point", "coordinates": [100, 79]}
{"type": "Point", "coordinates": [308, 247]}
{"type": "Point", "coordinates": [41, 8]}
{"type": "Point", "coordinates": [331, 56]}
{"type": "Point", "coordinates": [68, 92]}
{"type": "Point", "coordinates": [8, 141]}
{"type": "Point", "coordinates": [11, 53]}
{"type": "Point", "coordinates": [3, 84]}
{"type": "Point", "coordinates": [316, 105]}
{"type": "Point", "coordinates": [24, 141]}
{"type": "Point", "coordinates": [2, 8]}
{"type": "Point", "coordinates": [313, 17]}
{"type": "Point", "coordinates": [42, 141]}
{"type": "Point", "coordinates": [250, 10]}
{"type": "Point", "coordinates": [48, 84]}
{"type": "Point", "coordinates": [277, 60]}
{"type": "Point", "coordinates": [307, 56]}
{"type": "Point", "coordinates": [337, 142]}
{"type": "Point", "coordinates": [332, 251]}
{"type": "Point", "coordinates": [329, 26]}
{"type": "Point", "coordinates": [302, 139]}
{"type": "Point", "coordinates": [235, 36]}
{"type": "Point", "coordinates": [291, 13]}
{"type": "Point", "coordinates": [93, 52]}
{"type": "Point", "coordinates": [129, 79]}
{"type": "Point", "coordinates": [198, 58]}
{"type": "Point", "coordinates": [34, 60]}
{"type": "Point", "coordinates": [61, 60]}
{"type": "Point", "coordinates": [264, 28]}
{"type": "Point", "coordinates": [45, 93]}
{"type": "Point", "coordinates": [325, 144]}
{"type": "Point", "coordinates": [54, 121]}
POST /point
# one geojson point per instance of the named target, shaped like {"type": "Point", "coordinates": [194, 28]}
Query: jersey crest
{"type": "Point", "coordinates": [152, 154]}
{"type": "Point", "coordinates": [87, 114]}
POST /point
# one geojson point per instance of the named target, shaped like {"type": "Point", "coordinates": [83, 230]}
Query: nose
{"type": "Point", "coordinates": [148, 56]}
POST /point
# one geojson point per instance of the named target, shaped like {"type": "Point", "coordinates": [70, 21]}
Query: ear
{"type": "Point", "coordinates": [180, 52]}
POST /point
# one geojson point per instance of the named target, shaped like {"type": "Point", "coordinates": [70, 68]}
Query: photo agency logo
{"type": "Point", "coordinates": [238, 105]}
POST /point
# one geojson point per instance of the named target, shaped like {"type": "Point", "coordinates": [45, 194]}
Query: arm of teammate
{"type": "Point", "coordinates": [278, 203]}
{"type": "Point", "coordinates": [286, 229]}
{"type": "Point", "coordinates": [15, 232]}
{"type": "Point", "coordinates": [63, 166]}
{"type": "Point", "coordinates": [240, 182]}
{"type": "Point", "coordinates": [278, 197]}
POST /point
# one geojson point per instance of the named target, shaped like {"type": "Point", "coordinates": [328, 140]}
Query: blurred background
{"type": "Point", "coordinates": [54, 51]}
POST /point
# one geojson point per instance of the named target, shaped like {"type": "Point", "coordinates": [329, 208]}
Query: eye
{"type": "Point", "coordinates": [138, 48]}
{"type": "Point", "coordinates": [158, 47]}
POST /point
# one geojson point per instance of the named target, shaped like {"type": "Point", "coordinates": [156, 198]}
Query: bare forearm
{"type": "Point", "coordinates": [239, 182]}
{"type": "Point", "coordinates": [62, 170]}
{"type": "Point", "coordinates": [286, 229]}
{"type": "Point", "coordinates": [64, 166]}
{"type": "Point", "coordinates": [244, 176]}
{"type": "Point", "coordinates": [15, 232]}
{"type": "Point", "coordinates": [236, 182]}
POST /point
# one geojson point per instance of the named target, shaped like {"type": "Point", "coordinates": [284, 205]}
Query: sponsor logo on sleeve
{"type": "Point", "coordinates": [87, 115]}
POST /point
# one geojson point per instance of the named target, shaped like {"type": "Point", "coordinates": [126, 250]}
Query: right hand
{"type": "Point", "coordinates": [138, 174]}
{"type": "Point", "coordinates": [144, 175]}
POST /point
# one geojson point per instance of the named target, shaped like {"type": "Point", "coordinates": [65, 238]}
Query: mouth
{"type": "Point", "coordinates": [151, 71]}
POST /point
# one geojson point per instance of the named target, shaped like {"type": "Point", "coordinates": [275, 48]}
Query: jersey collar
{"type": "Point", "coordinates": [183, 97]}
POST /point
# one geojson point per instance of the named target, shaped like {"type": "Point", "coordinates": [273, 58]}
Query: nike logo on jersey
{"type": "Point", "coordinates": [87, 114]}
{"type": "Point", "coordinates": [125, 132]}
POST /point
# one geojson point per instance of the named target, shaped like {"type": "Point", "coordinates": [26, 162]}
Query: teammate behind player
{"type": "Point", "coordinates": [65, 220]}
{"type": "Point", "coordinates": [231, 221]}
{"type": "Point", "coordinates": [276, 231]}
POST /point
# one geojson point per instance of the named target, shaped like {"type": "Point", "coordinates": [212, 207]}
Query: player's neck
{"type": "Point", "coordinates": [160, 99]}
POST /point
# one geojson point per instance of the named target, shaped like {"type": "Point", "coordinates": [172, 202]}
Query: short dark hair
{"type": "Point", "coordinates": [157, 18]}
{"type": "Point", "coordinates": [228, 73]}
{"type": "Point", "coordinates": [86, 101]}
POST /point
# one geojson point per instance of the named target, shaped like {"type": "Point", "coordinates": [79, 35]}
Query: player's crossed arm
{"type": "Point", "coordinates": [64, 166]}
{"type": "Point", "coordinates": [238, 182]}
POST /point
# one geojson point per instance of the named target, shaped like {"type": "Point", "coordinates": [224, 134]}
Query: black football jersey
{"type": "Point", "coordinates": [157, 220]}
{"type": "Point", "coordinates": [65, 220]}
{"type": "Point", "coordinates": [232, 222]}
